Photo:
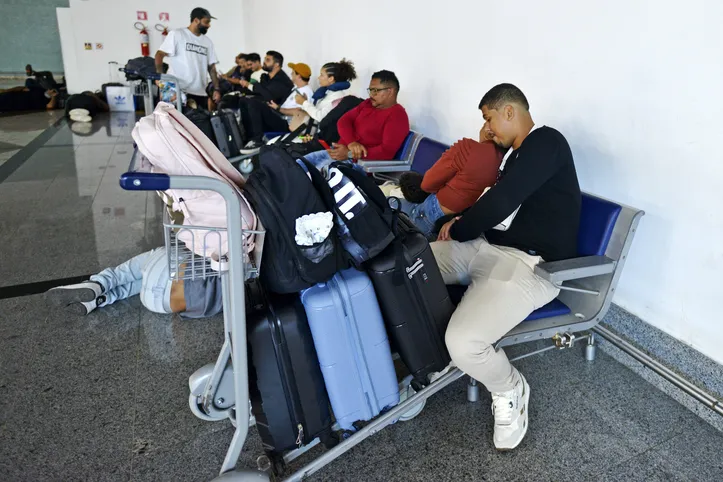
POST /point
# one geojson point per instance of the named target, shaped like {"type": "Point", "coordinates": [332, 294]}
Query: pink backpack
{"type": "Point", "coordinates": [175, 146]}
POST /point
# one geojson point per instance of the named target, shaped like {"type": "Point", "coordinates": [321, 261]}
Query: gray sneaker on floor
{"type": "Point", "coordinates": [81, 298]}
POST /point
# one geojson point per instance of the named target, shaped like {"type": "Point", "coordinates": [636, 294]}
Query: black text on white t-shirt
{"type": "Point", "coordinates": [199, 49]}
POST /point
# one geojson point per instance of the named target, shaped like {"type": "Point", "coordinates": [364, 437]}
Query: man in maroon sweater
{"type": "Point", "coordinates": [375, 129]}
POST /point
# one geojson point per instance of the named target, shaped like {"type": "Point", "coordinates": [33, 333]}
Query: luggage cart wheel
{"type": "Point", "coordinates": [345, 434]}
{"type": "Point", "coordinates": [408, 388]}
{"type": "Point", "coordinates": [198, 411]}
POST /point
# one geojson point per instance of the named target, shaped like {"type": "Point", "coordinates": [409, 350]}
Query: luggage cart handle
{"type": "Point", "coordinates": [153, 76]}
{"type": "Point", "coordinates": [139, 178]}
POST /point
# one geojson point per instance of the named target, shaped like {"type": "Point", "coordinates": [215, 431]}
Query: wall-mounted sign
{"type": "Point", "coordinates": [88, 46]}
{"type": "Point", "coordinates": [99, 46]}
{"type": "Point", "coordinates": [164, 17]}
{"type": "Point", "coordinates": [142, 15]}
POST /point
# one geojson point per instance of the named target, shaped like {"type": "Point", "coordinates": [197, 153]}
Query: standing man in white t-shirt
{"type": "Point", "coordinates": [192, 56]}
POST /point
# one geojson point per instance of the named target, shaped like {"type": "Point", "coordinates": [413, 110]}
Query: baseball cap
{"type": "Point", "coordinates": [301, 69]}
{"type": "Point", "coordinates": [201, 13]}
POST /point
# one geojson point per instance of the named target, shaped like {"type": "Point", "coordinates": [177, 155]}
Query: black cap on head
{"type": "Point", "coordinates": [201, 13]}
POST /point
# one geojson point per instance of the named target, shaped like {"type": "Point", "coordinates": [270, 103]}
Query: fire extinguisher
{"type": "Point", "coordinates": [163, 29]}
{"type": "Point", "coordinates": [145, 40]}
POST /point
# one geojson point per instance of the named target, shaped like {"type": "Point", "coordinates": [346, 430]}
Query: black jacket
{"type": "Point", "coordinates": [276, 89]}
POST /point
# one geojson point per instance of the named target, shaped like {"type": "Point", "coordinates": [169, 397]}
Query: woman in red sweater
{"type": "Point", "coordinates": [455, 181]}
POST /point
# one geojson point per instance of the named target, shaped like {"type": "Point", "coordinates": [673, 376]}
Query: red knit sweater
{"type": "Point", "coordinates": [381, 131]}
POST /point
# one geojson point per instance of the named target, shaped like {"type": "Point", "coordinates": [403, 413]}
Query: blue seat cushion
{"type": "Point", "coordinates": [403, 151]}
{"type": "Point", "coordinates": [597, 222]}
{"type": "Point", "coordinates": [428, 152]}
{"type": "Point", "coordinates": [553, 308]}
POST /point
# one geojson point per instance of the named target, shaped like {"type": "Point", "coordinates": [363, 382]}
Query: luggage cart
{"type": "Point", "coordinates": [143, 85]}
{"type": "Point", "coordinates": [217, 389]}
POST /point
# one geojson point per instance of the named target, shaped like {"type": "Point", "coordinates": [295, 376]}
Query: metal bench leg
{"type": "Point", "coordinates": [472, 390]}
{"type": "Point", "coordinates": [590, 348]}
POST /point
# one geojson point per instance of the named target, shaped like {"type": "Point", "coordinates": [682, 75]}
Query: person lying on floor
{"type": "Point", "coordinates": [539, 183]}
{"type": "Point", "coordinates": [146, 275]}
{"type": "Point", "coordinates": [375, 129]}
{"type": "Point", "coordinates": [452, 184]}
{"type": "Point", "coordinates": [31, 97]}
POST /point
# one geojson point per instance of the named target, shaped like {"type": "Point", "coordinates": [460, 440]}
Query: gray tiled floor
{"type": "Point", "coordinates": [105, 397]}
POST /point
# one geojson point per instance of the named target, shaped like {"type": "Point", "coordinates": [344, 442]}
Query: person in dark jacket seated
{"type": "Point", "coordinates": [275, 86]}
{"type": "Point", "coordinates": [529, 216]}
{"type": "Point", "coordinates": [374, 130]}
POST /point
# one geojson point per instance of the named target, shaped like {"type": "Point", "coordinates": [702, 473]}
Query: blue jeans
{"type": "Point", "coordinates": [424, 215]}
{"type": "Point", "coordinates": [145, 275]}
{"type": "Point", "coordinates": [321, 159]}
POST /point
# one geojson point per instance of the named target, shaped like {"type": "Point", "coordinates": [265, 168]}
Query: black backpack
{"type": "Point", "coordinates": [327, 127]}
{"type": "Point", "coordinates": [280, 192]}
{"type": "Point", "coordinates": [202, 120]}
{"type": "Point", "coordinates": [142, 65]}
{"type": "Point", "coordinates": [81, 101]}
{"type": "Point", "coordinates": [366, 222]}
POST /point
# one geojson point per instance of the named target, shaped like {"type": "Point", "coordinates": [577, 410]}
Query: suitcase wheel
{"type": "Point", "coordinates": [278, 466]}
{"type": "Point", "coordinates": [329, 439]}
{"type": "Point", "coordinates": [407, 389]}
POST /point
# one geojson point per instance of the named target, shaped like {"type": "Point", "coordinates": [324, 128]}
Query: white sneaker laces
{"type": "Point", "coordinates": [502, 407]}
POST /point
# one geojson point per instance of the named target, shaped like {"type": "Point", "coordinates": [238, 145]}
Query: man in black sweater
{"type": "Point", "coordinates": [529, 216]}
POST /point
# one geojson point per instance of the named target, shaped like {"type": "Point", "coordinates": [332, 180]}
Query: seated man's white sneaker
{"type": "Point", "coordinates": [511, 412]}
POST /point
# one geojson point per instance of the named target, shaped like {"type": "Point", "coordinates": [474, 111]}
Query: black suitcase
{"type": "Point", "coordinates": [201, 119]}
{"type": "Point", "coordinates": [286, 387]}
{"type": "Point", "coordinates": [229, 137]}
{"type": "Point", "coordinates": [417, 310]}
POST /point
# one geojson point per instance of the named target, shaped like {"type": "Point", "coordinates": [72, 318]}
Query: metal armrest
{"type": "Point", "coordinates": [576, 268]}
{"type": "Point", "coordinates": [394, 165]}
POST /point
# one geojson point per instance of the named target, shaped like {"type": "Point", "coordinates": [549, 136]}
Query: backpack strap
{"type": "Point", "coordinates": [289, 138]}
{"type": "Point", "coordinates": [399, 236]}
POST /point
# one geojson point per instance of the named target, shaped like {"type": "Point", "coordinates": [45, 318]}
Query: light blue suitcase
{"type": "Point", "coordinates": [352, 346]}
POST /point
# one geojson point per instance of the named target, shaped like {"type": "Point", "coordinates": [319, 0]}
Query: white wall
{"type": "Point", "coordinates": [110, 22]}
{"type": "Point", "coordinates": [67, 45]}
{"type": "Point", "coordinates": [633, 84]}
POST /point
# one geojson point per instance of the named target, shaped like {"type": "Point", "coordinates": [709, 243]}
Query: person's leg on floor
{"type": "Point", "coordinates": [503, 291]}
{"type": "Point", "coordinates": [124, 274]}
{"type": "Point", "coordinates": [102, 289]}
{"type": "Point", "coordinates": [156, 285]}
